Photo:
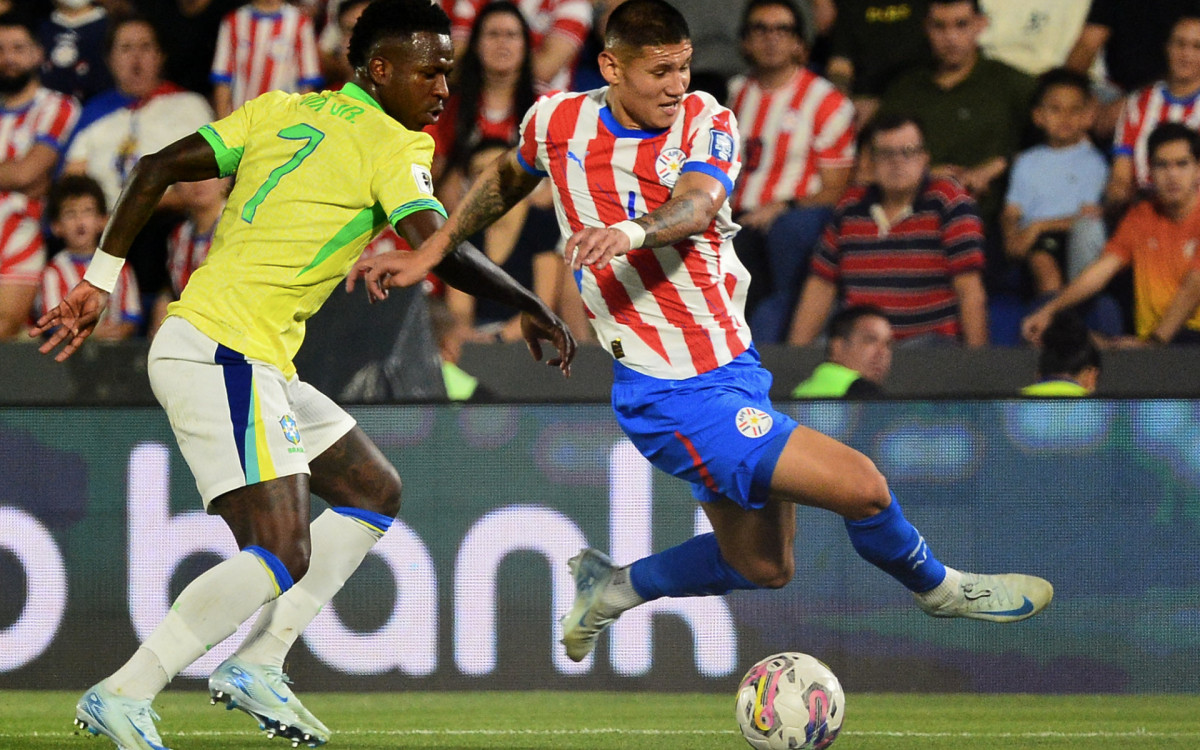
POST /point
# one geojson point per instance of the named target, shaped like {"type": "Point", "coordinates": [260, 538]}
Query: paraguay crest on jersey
{"type": "Point", "coordinates": [668, 165]}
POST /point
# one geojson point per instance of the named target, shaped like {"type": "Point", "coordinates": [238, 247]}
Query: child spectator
{"type": "Point", "coordinates": [77, 214]}
{"type": "Point", "coordinates": [73, 39]}
{"type": "Point", "coordinates": [1052, 219]}
{"type": "Point", "coordinates": [188, 244]}
{"type": "Point", "coordinates": [265, 45]}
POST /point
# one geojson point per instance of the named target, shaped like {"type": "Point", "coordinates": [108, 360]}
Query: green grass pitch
{"type": "Point", "coordinates": [631, 721]}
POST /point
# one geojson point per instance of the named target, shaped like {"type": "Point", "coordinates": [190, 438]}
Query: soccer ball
{"type": "Point", "coordinates": [790, 701]}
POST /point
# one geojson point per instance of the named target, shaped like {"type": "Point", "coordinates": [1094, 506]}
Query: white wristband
{"type": "Point", "coordinates": [632, 230]}
{"type": "Point", "coordinates": [104, 270]}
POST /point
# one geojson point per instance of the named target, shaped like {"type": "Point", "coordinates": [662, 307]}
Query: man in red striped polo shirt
{"type": "Point", "coordinates": [35, 124]}
{"type": "Point", "coordinates": [908, 243]}
{"type": "Point", "coordinates": [798, 149]}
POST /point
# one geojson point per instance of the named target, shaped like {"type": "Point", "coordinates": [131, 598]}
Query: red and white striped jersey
{"type": "Point", "coordinates": [260, 52]}
{"type": "Point", "coordinates": [788, 134]}
{"type": "Point", "coordinates": [49, 118]}
{"type": "Point", "coordinates": [570, 18]}
{"type": "Point", "coordinates": [65, 271]}
{"type": "Point", "coordinates": [22, 247]}
{"type": "Point", "coordinates": [1144, 110]}
{"type": "Point", "coordinates": [669, 312]}
{"type": "Point", "coordinates": [186, 250]}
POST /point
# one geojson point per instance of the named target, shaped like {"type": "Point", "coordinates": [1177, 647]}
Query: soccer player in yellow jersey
{"type": "Point", "coordinates": [316, 176]}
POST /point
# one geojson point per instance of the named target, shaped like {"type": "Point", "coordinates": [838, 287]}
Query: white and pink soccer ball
{"type": "Point", "coordinates": [790, 701]}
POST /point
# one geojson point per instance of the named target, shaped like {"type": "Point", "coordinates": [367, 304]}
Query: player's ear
{"type": "Point", "coordinates": [379, 69]}
{"type": "Point", "coordinates": [610, 67]}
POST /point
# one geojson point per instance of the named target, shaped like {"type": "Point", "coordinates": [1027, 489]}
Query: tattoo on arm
{"type": "Point", "coordinates": [494, 193]}
{"type": "Point", "coordinates": [678, 218]}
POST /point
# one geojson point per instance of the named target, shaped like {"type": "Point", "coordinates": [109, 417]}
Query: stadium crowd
{"type": "Point", "coordinates": [963, 169]}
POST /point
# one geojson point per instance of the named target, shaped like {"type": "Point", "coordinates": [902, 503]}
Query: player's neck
{"type": "Point", "coordinates": [267, 6]}
{"type": "Point", "coordinates": [773, 78]}
{"type": "Point", "coordinates": [81, 251]}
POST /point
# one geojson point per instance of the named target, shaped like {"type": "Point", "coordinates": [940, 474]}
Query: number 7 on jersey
{"type": "Point", "coordinates": [302, 132]}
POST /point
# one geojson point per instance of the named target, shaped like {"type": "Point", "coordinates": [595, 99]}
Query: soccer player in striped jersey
{"type": "Point", "coordinates": [315, 177]}
{"type": "Point", "coordinates": [265, 45]}
{"type": "Point", "coordinates": [35, 124]}
{"type": "Point", "coordinates": [641, 171]}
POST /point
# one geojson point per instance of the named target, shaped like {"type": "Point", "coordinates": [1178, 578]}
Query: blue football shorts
{"type": "Point", "coordinates": [718, 430]}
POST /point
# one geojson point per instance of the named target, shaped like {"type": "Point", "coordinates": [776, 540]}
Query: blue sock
{"type": "Point", "coordinates": [694, 568]}
{"type": "Point", "coordinates": [888, 541]}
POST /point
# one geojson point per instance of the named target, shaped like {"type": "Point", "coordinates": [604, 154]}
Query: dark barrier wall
{"type": "Point", "coordinates": [100, 528]}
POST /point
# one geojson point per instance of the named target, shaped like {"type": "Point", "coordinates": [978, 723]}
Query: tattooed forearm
{"type": "Point", "coordinates": [496, 191]}
{"type": "Point", "coordinates": [678, 218]}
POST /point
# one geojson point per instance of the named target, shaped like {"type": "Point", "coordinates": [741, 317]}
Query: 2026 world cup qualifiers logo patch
{"type": "Point", "coordinates": [753, 423]}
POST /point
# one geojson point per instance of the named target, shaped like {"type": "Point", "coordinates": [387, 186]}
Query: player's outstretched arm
{"type": "Point", "coordinates": [501, 186]}
{"type": "Point", "coordinates": [469, 270]}
{"type": "Point", "coordinates": [694, 203]}
{"type": "Point", "coordinates": [188, 159]}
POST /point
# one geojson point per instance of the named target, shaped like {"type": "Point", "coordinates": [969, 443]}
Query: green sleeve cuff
{"type": "Point", "coordinates": [424, 204]}
{"type": "Point", "coordinates": [227, 158]}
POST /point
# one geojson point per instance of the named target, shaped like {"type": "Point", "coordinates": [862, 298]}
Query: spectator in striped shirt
{"type": "Point", "coordinates": [265, 45]}
{"type": "Point", "coordinates": [77, 214]}
{"type": "Point", "coordinates": [35, 124]}
{"type": "Point", "coordinates": [1173, 99]}
{"type": "Point", "coordinates": [798, 145]}
{"type": "Point", "coordinates": [908, 243]}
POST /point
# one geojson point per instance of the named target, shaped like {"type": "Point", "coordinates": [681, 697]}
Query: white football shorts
{"type": "Point", "coordinates": [238, 421]}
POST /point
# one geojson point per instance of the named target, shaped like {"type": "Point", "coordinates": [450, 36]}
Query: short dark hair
{"type": "Point", "coordinates": [394, 18]}
{"type": "Point", "coordinates": [119, 22]}
{"type": "Point", "coordinates": [346, 5]}
{"type": "Point", "coordinates": [842, 324]}
{"type": "Point", "coordinates": [1067, 347]}
{"type": "Point", "coordinates": [74, 186]}
{"type": "Point", "coordinates": [753, 5]}
{"type": "Point", "coordinates": [645, 23]}
{"type": "Point", "coordinates": [974, 4]}
{"type": "Point", "coordinates": [15, 18]}
{"type": "Point", "coordinates": [889, 121]}
{"type": "Point", "coordinates": [1061, 77]}
{"type": "Point", "coordinates": [1169, 132]}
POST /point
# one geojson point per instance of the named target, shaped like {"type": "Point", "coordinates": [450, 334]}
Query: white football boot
{"type": "Point", "coordinates": [262, 692]}
{"type": "Point", "coordinates": [1005, 597]}
{"type": "Point", "coordinates": [127, 722]}
{"type": "Point", "coordinates": [588, 617]}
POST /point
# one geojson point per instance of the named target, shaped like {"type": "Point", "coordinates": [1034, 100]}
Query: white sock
{"type": "Point", "coordinates": [339, 544]}
{"type": "Point", "coordinates": [944, 591]}
{"type": "Point", "coordinates": [208, 611]}
{"type": "Point", "coordinates": [620, 595]}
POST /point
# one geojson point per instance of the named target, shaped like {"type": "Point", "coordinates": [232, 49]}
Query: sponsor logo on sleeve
{"type": "Point", "coordinates": [423, 179]}
{"type": "Point", "coordinates": [722, 146]}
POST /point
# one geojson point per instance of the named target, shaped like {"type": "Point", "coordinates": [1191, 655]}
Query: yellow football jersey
{"type": "Point", "coordinates": [316, 177]}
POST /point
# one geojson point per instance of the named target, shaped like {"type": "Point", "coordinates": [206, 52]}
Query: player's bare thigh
{"type": "Point", "coordinates": [758, 543]}
{"type": "Point", "coordinates": [353, 472]}
{"type": "Point", "coordinates": [816, 470]}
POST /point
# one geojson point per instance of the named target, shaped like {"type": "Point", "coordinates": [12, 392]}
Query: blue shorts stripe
{"type": "Point", "coordinates": [377, 521]}
{"type": "Point", "coordinates": [239, 384]}
{"type": "Point", "coordinates": [283, 579]}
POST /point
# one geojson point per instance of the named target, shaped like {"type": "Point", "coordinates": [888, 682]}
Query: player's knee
{"type": "Point", "coordinates": [870, 494]}
{"type": "Point", "coordinates": [295, 555]}
{"type": "Point", "coordinates": [386, 491]}
{"type": "Point", "coordinates": [771, 573]}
